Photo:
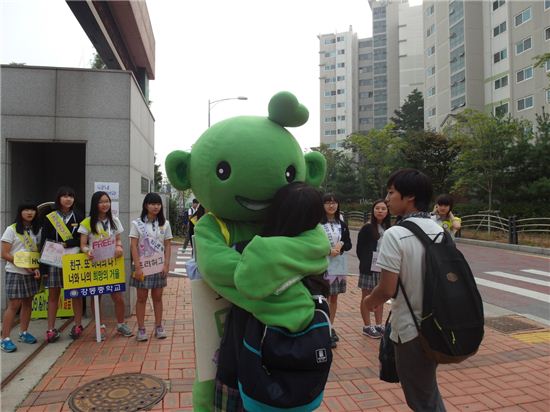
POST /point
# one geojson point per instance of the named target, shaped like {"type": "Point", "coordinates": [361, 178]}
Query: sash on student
{"type": "Point", "coordinates": [59, 225]}
{"type": "Point", "coordinates": [150, 250]}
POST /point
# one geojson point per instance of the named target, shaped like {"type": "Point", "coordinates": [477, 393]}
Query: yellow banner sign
{"type": "Point", "coordinates": [27, 260]}
{"type": "Point", "coordinates": [81, 272]}
{"type": "Point", "coordinates": [40, 306]}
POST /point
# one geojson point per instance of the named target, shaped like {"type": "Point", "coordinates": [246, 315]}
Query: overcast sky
{"type": "Point", "coordinates": [207, 49]}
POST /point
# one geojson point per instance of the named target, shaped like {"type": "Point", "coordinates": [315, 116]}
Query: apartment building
{"type": "Point", "coordinates": [411, 51]}
{"type": "Point", "coordinates": [479, 55]}
{"type": "Point", "coordinates": [338, 85]}
{"type": "Point", "coordinates": [514, 32]}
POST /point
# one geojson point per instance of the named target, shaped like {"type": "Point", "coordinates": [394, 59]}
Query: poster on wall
{"type": "Point", "coordinates": [111, 188]}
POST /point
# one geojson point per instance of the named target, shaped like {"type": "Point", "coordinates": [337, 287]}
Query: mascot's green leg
{"type": "Point", "coordinates": [203, 396]}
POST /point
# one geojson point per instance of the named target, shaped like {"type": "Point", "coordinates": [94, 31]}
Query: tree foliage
{"type": "Point", "coordinates": [341, 178]}
{"type": "Point", "coordinates": [410, 117]}
{"type": "Point", "coordinates": [97, 62]}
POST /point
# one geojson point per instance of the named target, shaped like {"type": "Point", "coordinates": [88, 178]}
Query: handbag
{"type": "Point", "coordinates": [386, 356]}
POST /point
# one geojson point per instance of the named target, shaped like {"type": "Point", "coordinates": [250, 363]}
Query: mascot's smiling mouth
{"type": "Point", "coordinates": [252, 204]}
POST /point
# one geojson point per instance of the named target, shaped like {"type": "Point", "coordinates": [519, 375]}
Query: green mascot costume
{"type": "Point", "coordinates": [234, 169]}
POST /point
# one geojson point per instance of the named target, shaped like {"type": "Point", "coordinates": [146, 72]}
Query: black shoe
{"type": "Point", "coordinates": [334, 336]}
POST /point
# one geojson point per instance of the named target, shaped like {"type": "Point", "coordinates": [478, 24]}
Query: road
{"type": "Point", "coordinates": [515, 281]}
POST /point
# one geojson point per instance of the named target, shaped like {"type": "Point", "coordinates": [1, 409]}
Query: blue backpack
{"type": "Point", "coordinates": [284, 370]}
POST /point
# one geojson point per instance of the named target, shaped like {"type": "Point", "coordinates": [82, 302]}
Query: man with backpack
{"type": "Point", "coordinates": [402, 260]}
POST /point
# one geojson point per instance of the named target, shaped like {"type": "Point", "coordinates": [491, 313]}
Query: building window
{"type": "Point", "coordinates": [365, 43]}
{"type": "Point", "coordinates": [524, 74]}
{"type": "Point", "coordinates": [547, 64]}
{"type": "Point", "coordinates": [523, 45]}
{"type": "Point", "coordinates": [330, 41]}
{"type": "Point", "coordinates": [341, 65]}
{"type": "Point", "coordinates": [330, 54]}
{"type": "Point", "coordinates": [379, 40]}
{"type": "Point", "coordinates": [430, 51]}
{"type": "Point", "coordinates": [502, 82]}
{"type": "Point", "coordinates": [380, 82]}
{"type": "Point", "coordinates": [431, 112]}
{"type": "Point", "coordinates": [457, 59]}
{"type": "Point", "coordinates": [525, 103]}
{"type": "Point", "coordinates": [499, 56]}
{"type": "Point", "coordinates": [341, 104]}
{"type": "Point", "coordinates": [379, 13]}
{"type": "Point", "coordinates": [458, 103]}
{"type": "Point", "coordinates": [330, 119]}
{"type": "Point", "coordinates": [548, 96]}
{"type": "Point", "coordinates": [380, 122]}
{"type": "Point", "coordinates": [379, 54]}
{"type": "Point", "coordinates": [341, 118]}
{"type": "Point", "coordinates": [546, 4]}
{"type": "Point", "coordinates": [523, 17]}
{"type": "Point", "coordinates": [380, 68]}
{"type": "Point", "coordinates": [329, 106]}
{"type": "Point", "coordinates": [365, 69]}
{"type": "Point", "coordinates": [340, 78]}
{"type": "Point", "coordinates": [547, 33]}
{"type": "Point", "coordinates": [329, 67]}
{"type": "Point", "coordinates": [341, 91]}
{"type": "Point", "coordinates": [497, 4]}
{"type": "Point", "coordinates": [380, 95]}
{"type": "Point", "coordinates": [340, 38]}
{"type": "Point", "coordinates": [430, 92]}
{"type": "Point", "coordinates": [430, 30]}
{"type": "Point", "coordinates": [501, 28]}
{"type": "Point", "coordinates": [330, 132]}
{"type": "Point", "coordinates": [501, 110]}
{"type": "Point", "coordinates": [341, 51]}
{"type": "Point", "coordinates": [430, 10]}
{"type": "Point", "coordinates": [364, 120]}
{"type": "Point", "coordinates": [379, 27]}
{"type": "Point", "coordinates": [430, 71]}
{"type": "Point", "coordinates": [330, 80]}
{"type": "Point", "coordinates": [329, 93]}
{"type": "Point", "coordinates": [380, 109]}
{"type": "Point", "coordinates": [365, 56]}
{"type": "Point", "coordinates": [365, 82]}
{"type": "Point", "coordinates": [456, 12]}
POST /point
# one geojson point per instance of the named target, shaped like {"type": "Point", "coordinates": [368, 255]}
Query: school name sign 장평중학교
{"type": "Point", "coordinates": [84, 277]}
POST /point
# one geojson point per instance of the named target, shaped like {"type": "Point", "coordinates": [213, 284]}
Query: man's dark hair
{"type": "Point", "coordinates": [446, 200]}
{"type": "Point", "coordinates": [195, 202]}
{"type": "Point", "coordinates": [412, 182]}
{"type": "Point", "coordinates": [295, 208]}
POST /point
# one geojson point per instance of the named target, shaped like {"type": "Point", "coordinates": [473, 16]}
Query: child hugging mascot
{"type": "Point", "coordinates": [234, 169]}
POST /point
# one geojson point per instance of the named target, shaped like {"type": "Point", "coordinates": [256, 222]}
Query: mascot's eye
{"type": "Point", "coordinates": [290, 174]}
{"type": "Point", "coordinates": [223, 170]}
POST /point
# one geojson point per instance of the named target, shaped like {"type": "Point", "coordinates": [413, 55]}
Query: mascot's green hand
{"type": "Point", "coordinates": [260, 274]}
{"type": "Point", "coordinates": [203, 396]}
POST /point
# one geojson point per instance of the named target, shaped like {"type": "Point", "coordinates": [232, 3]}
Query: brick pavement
{"type": "Point", "coordinates": [510, 372]}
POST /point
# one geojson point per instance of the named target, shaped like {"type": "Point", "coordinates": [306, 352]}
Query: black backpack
{"type": "Point", "coordinates": [451, 328]}
{"type": "Point", "coordinates": [281, 370]}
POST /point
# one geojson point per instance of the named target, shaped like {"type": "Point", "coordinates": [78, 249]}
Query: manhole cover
{"type": "Point", "coordinates": [125, 392]}
{"type": "Point", "coordinates": [510, 324]}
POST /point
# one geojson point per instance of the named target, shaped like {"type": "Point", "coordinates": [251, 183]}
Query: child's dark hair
{"type": "Point", "coordinates": [446, 200]}
{"type": "Point", "coordinates": [149, 199]}
{"type": "Point", "coordinates": [94, 213]}
{"type": "Point", "coordinates": [295, 208]}
{"type": "Point", "coordinates": [412, 182]}
{"type": "Point", "coordinates": [63, 191]}
{"type": "Point", "coordinates": [35, 224]}
{"type": "Point", "coordinates": [386, 222]}
{"type": "Point", "coordinates": [327, 197]}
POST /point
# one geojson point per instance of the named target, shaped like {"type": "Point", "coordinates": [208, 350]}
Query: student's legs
{"type": "Point", "coordinates": [417, 374]}
{"type": "Point", "coordinates": [53, 303]}
{"type": "Point", "coordinates": [78, 307]}
{"type": "Point", "coordinates": [140, 306]}
{"type": "Point", "coordinates": [378, 314]}
{"type": "Point", "coordinates": [118, 300]}
{"type": "Point", "coordinates": [333, 305]}
{"type": "Point", "coordinates": [25, 315]}
{"type": "Point", "coordinates": [9, 316]}
{"type": "Point", "coordinates": [365, 314]}
{"type": "Point", "coordinates": [156, 295]}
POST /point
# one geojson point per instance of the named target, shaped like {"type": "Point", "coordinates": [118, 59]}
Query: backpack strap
{"type": "Point", "coordinates": [417, 231]}
{"type": "Point", "coordinates": [400, 285]}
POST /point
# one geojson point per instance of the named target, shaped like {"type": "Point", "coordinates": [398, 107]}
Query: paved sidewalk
{"type": "Point", "coordinates": [510, 372]}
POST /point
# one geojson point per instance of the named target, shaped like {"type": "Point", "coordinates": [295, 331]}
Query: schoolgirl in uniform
{"type": "Point", "coordinates": [61, 226]}
{"type": "Point", "coordinates": [101, 224]}
{"type": "Point", "coordinates": [338, 234]}
{"type": "Point", "coordinates": [368, 244]}
{"type": "Point", "coordinates": [150, 236]}
{"type": "Point", "coordinates": [21, 283]}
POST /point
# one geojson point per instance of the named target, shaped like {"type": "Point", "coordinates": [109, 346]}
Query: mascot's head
{"type": "Point", "coordinates": [238, 164]}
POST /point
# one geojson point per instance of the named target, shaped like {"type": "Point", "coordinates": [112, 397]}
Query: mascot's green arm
{"type": "Point", "coordinates": [270, 265]}
{"type": "Point", "coordinates": [217, 261]}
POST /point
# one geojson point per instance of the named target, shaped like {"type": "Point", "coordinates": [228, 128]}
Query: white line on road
{"type": "Point", "coordinates": [536, 272]}
{"type": "Point", "coordinates": [520, 278]}
{"type": "Point", "coordinates": [180, 270]}
{"type": "Point", "coordinates": [513, 289]}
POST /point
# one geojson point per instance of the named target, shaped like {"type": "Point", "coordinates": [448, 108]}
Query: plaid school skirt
{"type": "Point", "coordinates": [20, 286]}
{"type": "Point", "coordinates": [54, 278]}
{"type": "Point", "coordinates": [227, 399]}
{"type": "Point", "coordinates": [150, 282]}
{"type": "Point", "coordinates": [338, 286]}
{"type": "Point", "coordinates": [368, 280]}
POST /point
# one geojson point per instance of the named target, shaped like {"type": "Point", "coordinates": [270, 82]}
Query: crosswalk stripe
{"type": "Point", "coordinates": [513, 289]}
{"type": "Point", "coordinates": [536, 272]}
{"type": "Point", "coordinates": [180, 262]}
{"type": "Point", "coordinates": [180, 270]}
{"type": "Point", "coordinates": [520, 278]}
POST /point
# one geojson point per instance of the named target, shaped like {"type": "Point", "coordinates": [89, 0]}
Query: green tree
{"type": "Point", "coordinates": [411, 114]}
{"type": "Point", "coordinates": [341, 177]}
{"type": "Point", "coordinates": [97, 62]}
{"type": "Point", "coordinates": [158, 176]}
{"type": "Point", "coordinates": [378, 153]}
{"type": "Point", "coordinates": [433, 154]}
{"type": "Point", "coordinates": [483, 142]}
{"type": "Point", "coordinates": [541, 61]}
